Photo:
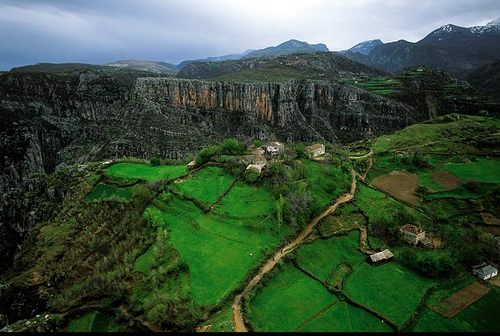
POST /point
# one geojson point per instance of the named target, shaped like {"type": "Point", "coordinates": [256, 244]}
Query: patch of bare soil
{"type": "Point", "coordinates": [436, 242]}
{"type": "Point", "coordinates": [494, 230]}
{"type": "Point", "coordinates": [495, 281]}
{"type": "Point", "coordinates": [399, 184]}
{"type": "Point", "coordinates": [452, 305]}
{"type": "Point", "coordinates": [489, 219]}
{"type": "Point", "coordinates": [446, 179]}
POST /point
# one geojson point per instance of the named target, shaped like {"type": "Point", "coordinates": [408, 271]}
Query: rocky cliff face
{"type": "Point", "coordinates": [289, 111]}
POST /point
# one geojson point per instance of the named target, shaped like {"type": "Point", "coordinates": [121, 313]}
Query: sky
{"type": "Point", "coordinates": [103, 31]}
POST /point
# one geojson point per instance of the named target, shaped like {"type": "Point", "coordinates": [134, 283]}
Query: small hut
{"type": "Point", "coordinates": [380, 257]}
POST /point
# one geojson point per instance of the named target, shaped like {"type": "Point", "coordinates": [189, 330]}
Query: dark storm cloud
{"type": "Point", "coordinates": [99, 31]}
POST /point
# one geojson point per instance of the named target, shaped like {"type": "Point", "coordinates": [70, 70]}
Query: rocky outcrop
{"type": "Point", "coordinates": [289, 111]}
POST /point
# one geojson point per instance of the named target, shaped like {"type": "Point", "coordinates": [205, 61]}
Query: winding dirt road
{"type": "Point", "coordinates": [238, 319]}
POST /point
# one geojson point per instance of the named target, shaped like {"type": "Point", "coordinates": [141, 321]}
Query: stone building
{"type": "Point", "coordinates": [315, 150]}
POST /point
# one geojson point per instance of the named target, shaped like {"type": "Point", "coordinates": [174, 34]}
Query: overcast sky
{"type": "Point", "coordinates": [101, 31]}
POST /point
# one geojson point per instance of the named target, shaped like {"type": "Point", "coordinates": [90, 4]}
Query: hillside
{"type": "Point", "coordinates": [487, 79]}
{"type": "Point", "coordinates": [128, 245]}
{"type": "Point", "coordinates": [320, 65]}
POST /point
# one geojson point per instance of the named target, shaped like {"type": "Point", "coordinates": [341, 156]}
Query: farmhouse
{"type": "Point", "coordinates": [484, 271]}
{"type": "Point", "coordinates": [256, 167]}
{"type": "Point", "coordinates": [380, 257]}
{"type": "Point", "coordinates": [413, 234]}
{"type": "Point", "coordinates": [275, 148]}
{"type": "Point", "coordinates": [315, 150]}
{"type": "Point", "coordinates": [191, 165]}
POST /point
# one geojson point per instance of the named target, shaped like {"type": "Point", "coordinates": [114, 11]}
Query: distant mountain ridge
{"type": "Point", "coordinates": [228, 57]}
{"type": "Point", "coordinates": [363, 48]}
{"type": "Point", "coordinates": [457, 50]}
{"type": "Point", "coordinates": [289, 47]}
{"type": "Point", "coordinates": [286, 48]}
{"type": "Point", "coordinates": [150, 66]}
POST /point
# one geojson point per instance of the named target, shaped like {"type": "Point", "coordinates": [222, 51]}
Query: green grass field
{"type": "Point", "coordinates": [443, 134]}
{"type": "Point", "coordinates": [287, 300]}
{"type": "Point", "coordinates": [488, 171]}
{"type": "Point", "coordinates": [216, 249]}
{"type": "Point", "coordinates": [321, 256]}
{"type": "Point", "coordinates": [392, 290]}
{"type": "Point", "coordinates": [206, 185]}
{"type": "Point", "coordinates": [145, 172]}
{"type": "Point", "coordinates": [105, 192]}
{"type": "Point", "coordinates": [342, 317]}
{"type": "Point", "coordinates": [93, 322]}
{"type": "Point", "coordinates": [145, 262]}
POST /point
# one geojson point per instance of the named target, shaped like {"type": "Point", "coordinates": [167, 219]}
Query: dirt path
{"type": "Point", "coordinates": [238, 319]}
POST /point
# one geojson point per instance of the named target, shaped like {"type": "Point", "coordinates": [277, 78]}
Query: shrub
{"type": "Point", "coordinates": [232, 146]}
{"type": "Point", "coordinates": [251, 175]}
{"type": "Point", "coordinates": [206, 154]}
{"type": "Point", "coordinates": [473, 185]}
{"type": "Point", "coordinates": [154, 161]}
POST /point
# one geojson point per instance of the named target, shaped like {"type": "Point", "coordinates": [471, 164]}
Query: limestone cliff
{"type": "Point", "coordinates": [289, 111]}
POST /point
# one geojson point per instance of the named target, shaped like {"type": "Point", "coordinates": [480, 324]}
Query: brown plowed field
{"type": "Point", "coordinates": [489, 219]}
{"type": "Point", "coordinates": [399, 184]}
{"type": "Point", "coordinates": [446, 179]}
{"type": "Point", "coordinates": [454, 304]}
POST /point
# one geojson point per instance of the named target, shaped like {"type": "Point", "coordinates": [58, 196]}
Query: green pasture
{"type": "Point", "coordinates": [481, 316]}
{"type": "Point", "coordinates": [206, 185]}
{"type": "Point", "coordinates": [392, 290]}
{"type": "Point", "coordinates": [322, 255]}
{"type": "Point", "coordinates": [377, 206]}
{"type": "Point", "coordinates": [287, 300]}
{"type": "Point", "coordinates": [342, 317]}
{"type": "Point", "coordinates": [247, 202]}
{"type": "Point", "coordinates": [105, 192]}
{"type": "Point", "coordinates": [443, 134]}
{"type": "Point", "coordinates": [93, 322]}
{"type": "Point", "coordinates": [381, 85]}
{"type": "Point", "coordinates": [488, 171]}
{"type": "Point", "coordinates": [145, 172]}
{"type": "Point", "coordinates": [145, 262]}
{"type": "Point", "coordinates": [462, 192]}
{"type": "Point", "coordinates": [216, 249]}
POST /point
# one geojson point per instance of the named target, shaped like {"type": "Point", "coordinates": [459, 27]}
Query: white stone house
{"type": "Point", "coordinates": [275, 148]}
{"type": "Point", "coordinates": [315, 150]}
{"type": "Point", "coordinates": [412, 234]}
{"type": "Point", "coordinates": [484, 271]}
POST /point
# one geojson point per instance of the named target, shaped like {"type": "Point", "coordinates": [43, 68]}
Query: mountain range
{"type": "Point", "coordinates": [451, 48]}
{"type": "Point", "coordinates": [454, 49]}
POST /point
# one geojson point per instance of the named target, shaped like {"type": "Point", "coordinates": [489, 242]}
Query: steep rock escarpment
{"type": "Point", "coordinates": [289, 111]}
{"type": "Point", "coordinates": [48, 120]}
